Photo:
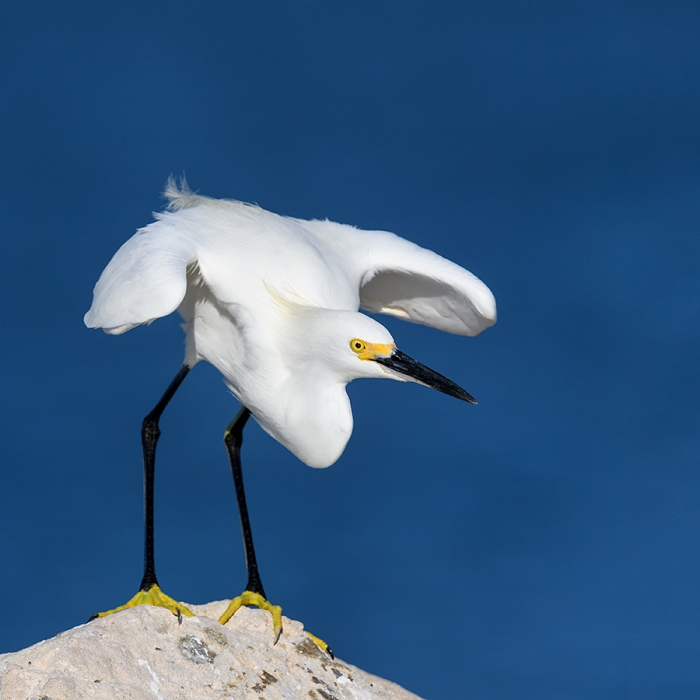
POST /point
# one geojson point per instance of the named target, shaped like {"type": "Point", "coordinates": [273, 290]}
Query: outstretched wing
{"type": "Point", "coordinates": [146, 279]}
{"type": "Point", "coordinates": [404, 280]}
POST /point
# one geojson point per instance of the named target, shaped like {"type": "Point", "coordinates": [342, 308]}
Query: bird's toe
{"type": "Point", "coordinates": [151, 596]}
{"type": "Point", "coordinates": [250, 599]}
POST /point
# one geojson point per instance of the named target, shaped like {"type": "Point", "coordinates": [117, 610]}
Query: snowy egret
{"type": "Point", "coordinates": [273, 303]}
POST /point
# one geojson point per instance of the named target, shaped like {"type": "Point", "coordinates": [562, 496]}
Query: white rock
{"type": "Point", "coordinates": [144, 654]}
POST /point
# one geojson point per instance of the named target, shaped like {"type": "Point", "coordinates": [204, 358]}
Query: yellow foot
{"type": "Point", "coordinates": [153, 596]}
{"type": "Point", "coordinates": [248, 598]}
{"type": "Point", "coordinates": [321, 644]}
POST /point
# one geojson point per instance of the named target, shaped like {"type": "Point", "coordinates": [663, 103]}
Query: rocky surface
{"type": "Point", "coordinates": [146, 654]}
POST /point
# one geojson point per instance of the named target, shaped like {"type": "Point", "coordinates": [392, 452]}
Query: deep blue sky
{"type": "Point", "coordinates": [543, 544]}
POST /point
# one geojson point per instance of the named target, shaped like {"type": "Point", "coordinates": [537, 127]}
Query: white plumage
{"type": "Point", "coordinates": [273, 303]}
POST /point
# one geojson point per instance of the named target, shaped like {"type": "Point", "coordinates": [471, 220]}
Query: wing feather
{"type": "Point", "coordinates": [404, 280]}
{"type": "Point", "coordinates": [146, 279]}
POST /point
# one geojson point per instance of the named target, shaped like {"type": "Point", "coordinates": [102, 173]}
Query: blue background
{"type": "Point", "coordinates": [543, 544]}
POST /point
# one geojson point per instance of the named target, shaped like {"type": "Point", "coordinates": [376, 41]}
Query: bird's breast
{"type": "Point", "coordinates": [314, 424]}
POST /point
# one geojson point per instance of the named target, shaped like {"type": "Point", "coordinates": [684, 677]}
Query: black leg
{"type": "Point", "coordinates": [233, 439]}
{"type": "Point", "coordinates": [150, 432]}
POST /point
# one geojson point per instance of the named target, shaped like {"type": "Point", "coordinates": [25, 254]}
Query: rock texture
{"type": "Point", "coordinates": [145, 654]}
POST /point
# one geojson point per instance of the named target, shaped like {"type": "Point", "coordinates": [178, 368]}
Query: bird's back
{"type": "Point", "coordinates": [250, 256]}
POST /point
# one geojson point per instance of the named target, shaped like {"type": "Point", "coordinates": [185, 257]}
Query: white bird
{"type": "Point", "coordinates": [273, 303]}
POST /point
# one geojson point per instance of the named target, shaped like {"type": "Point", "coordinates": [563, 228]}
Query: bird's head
{"type": "Point", "coordinates": [357, 346]}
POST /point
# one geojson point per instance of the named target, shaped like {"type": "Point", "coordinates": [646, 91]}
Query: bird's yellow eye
{"type": "Point", "coordinates": [357, 345]}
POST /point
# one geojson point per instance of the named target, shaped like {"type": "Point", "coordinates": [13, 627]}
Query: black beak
{"type": "Point", "coordinates": [403, 364]}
